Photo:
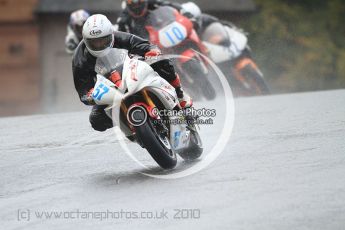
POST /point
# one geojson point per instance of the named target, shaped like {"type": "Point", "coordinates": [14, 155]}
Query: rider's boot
{"type": "Point", "coordinates": [184, 99]}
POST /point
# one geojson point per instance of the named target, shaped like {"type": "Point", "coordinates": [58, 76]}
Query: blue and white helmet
{"type": "Point", "coordinates": [77, 20]}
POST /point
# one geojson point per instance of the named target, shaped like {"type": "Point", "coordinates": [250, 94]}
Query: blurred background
{"type": "Point", "coordinates": [298, 44]}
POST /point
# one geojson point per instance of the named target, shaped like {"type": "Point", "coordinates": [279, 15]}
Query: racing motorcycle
{"type": "Point", "coordinates": [229, 49]}
{"type": "Point", "coordinates": [174, 34]}
{"type": "Point", "coordinates": [133, 91]}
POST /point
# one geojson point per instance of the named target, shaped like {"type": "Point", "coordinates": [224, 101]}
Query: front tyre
{"type": "Point", "coordinates": [208, 90]}
{"type": "Point", "coordinates": [256, 80]}
{"type": "Point", "coordinates": [201, 79]}
{"type": "Point", "coordinates": [157, 144]}
{"type": "Point", "coordinates": [249, 75]}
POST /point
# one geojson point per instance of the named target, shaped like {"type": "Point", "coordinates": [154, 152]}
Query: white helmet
{"type": "Point", "coordinates": [192, 8]}
{"type": "Point", "coordinates": [98, 35]}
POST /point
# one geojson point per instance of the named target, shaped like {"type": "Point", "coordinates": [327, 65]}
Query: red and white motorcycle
{"type": "Point", "coordinates": [134, 93]}
{"type": "Point", "coordinates": [175, 34]}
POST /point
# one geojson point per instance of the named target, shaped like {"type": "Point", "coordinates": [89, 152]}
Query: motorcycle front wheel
{"type": "Point", "coordinates": [202, 81]}
{"type": "Point", "coordinates": [251, 78]}
{"type": "Point", "coordinates": [156, 144]}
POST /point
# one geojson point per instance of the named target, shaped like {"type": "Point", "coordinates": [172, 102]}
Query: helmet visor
{"type": "Point", "coordinates": [137, 7]}
{"type": "Point", "coordinates": [99, 44]}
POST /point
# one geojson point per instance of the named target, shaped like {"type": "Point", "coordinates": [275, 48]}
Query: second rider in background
{"type": "Point", "coordinates": [132, 18]}
{"type": "Point", "coordinates": [227, 44]}
{"type": "Point", "coordinates": [74, 30]}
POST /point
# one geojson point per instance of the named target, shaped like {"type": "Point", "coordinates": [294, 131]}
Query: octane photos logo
{"type": "Point", "coordinates": [137, 115]}
{"type": "Point", "coordinates": [185, 112]}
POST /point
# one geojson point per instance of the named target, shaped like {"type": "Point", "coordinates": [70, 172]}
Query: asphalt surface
{"type": "Point", "coordinates": [283, 168]}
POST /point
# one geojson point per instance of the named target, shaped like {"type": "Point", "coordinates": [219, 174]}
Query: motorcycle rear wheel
{"type": "Point", "coordinates": [195, 149]}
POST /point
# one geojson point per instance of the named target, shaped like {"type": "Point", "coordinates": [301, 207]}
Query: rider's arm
{"type": "Point", "coordinates": [132, 43]}
{"type": "Point", "coordinates": [83, 66]}
{"type": "Point", "coordinates": [122, 21]}
{"type": "Point", "coordinates": [83, 85]}
{"type": "Point", "coordinates": [208, 20]}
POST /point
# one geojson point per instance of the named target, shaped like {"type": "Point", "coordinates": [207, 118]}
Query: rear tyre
{"type": "Point", "coordinates": [195, 150]}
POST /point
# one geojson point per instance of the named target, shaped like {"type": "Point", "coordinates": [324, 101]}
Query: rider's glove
{"type": "Point", "coordinates": [88, 99]}
{"type": "Point", "coordinates": [153, 54]}
{"type": "Point", "coordinates": [115, 77]}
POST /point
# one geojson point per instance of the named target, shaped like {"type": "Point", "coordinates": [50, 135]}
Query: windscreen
{"type": "Point", "coordinates": [112, 61]}
{"type": "Point", "coordinates": [161, 17]}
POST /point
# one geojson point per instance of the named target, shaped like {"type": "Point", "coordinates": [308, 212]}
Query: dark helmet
{"type": "Point", "coordinates": [137, 8]}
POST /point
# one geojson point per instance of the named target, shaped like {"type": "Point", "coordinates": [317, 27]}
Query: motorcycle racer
{"type": "Point", "coordinates": [228, 47]}
{"type": "Point", "coordinates": [74, 29]}
{"type": "Point", "coordinates": [99, 38]}
{"type": "Point", "coordinates": [227, 44]}
{"type": "Point", "coordinates": [131, 19]}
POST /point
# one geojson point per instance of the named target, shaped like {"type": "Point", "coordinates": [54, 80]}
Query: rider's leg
{"type": "Point", "coordinates": [166, 70]}
{"type": "Point", "coordinates": [99, 120]}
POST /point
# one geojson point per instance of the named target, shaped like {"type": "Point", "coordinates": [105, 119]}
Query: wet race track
{"type": "Point", "coordinates": [283, 168]}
